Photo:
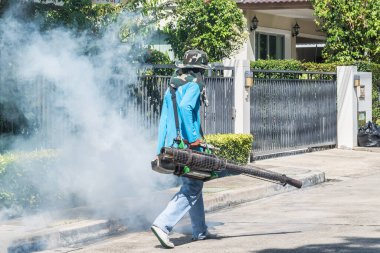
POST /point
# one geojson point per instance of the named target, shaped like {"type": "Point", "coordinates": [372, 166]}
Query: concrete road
{"type": "Point", "coordinates": [342, 215]}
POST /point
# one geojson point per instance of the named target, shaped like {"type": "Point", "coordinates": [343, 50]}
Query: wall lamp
{"type": "Point", "coordinates": [248, 79]}
{"type": "Point", "coordinates": [295, 30]}
{"type": "Point", "coordinates": [356, 81]}
{"type": "Point", "coordinates": [359, 87]}
{"type": "Point", "coordinates": [254, 23]}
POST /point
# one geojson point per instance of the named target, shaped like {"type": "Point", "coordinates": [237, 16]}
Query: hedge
{"type": "Point", "coordinates": [277, 64]}
{"type": "Point", "coordinates": [154, 56]}
{"type": "Point", "coordinates": [328, 67]}
{"type": "Point", "coordinates": [319, 67]}
{"type": "Point", "coordinates": [233, 147]}
{"type": "Point", "coordinates": [18, 172]}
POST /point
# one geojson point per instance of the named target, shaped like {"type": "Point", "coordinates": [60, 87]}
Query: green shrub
{"type": "Point", "coordinates": [17, 171]}
{"type": "Point", "coordinates": [156, 57]}
{"type": "Point", "coordinates": [293, 65]}
{"type": "Point", "coordinates": [277, 64]}
{"type": "Point", "coordinates": [319, 67]}
{"type": "Point", "coordinates": [233, 147]}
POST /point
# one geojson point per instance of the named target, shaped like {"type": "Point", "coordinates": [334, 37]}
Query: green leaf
{"type": "Point", "coordinates": [352, 29]}
{"type": "Point", "coordinates": [218, 28]}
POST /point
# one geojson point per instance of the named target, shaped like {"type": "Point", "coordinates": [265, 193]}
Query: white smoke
{"type": "Point", "coordinates": [102, 156]}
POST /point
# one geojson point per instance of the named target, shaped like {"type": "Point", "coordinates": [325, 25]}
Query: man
{"type": "Point", "coordinates": [188, 85]}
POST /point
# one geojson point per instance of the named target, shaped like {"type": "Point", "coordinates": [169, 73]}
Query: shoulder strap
{"type": "Point", "coordinates": [201, 132]}
{"type": "Point", "coordinates": [174, 101]}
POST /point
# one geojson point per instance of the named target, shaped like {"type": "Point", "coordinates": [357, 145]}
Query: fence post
{"type": "Point", "coordinates": [347, 107]}
{"type": "Point", "coordinates": [242, 97]}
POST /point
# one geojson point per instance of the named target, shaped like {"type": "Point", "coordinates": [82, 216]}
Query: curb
{"type": "Point", "coordinates": [81, 233]}
{"type": "Point", "coordinates": [77, 234]}
{"type": "Point", "coordinates": [367, 149]}
{"type": "Point", "coordinates": [240, 196]}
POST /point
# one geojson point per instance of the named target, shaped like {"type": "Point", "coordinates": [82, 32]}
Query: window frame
{"type": "Point", "coordinates": [278, 32]}
{"type": "Point", "coordinates": [269, 48]}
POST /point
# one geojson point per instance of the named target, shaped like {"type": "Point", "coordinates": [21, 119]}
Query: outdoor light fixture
{"type": "Point", "coordinates": [357, 85]}
{"type": "Point", "coordinates": [254, 23]}
{"type": "Point", "coordinates": [295, 30]}
{"type": "Point", "coordinates": [356, 81]}
{"type": "Point", "coordinates": [362, 92]}
{"type": "Point", "coordinates": [248, 79]}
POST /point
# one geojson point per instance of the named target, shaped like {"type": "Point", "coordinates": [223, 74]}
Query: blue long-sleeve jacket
{"type": "Point", "coordinates": [188, 101]}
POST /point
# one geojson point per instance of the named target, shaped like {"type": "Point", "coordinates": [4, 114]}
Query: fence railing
{"type": "Point", "coordinates": [290, 74]}
{"type": "Point", "coordinates": [143, 101]}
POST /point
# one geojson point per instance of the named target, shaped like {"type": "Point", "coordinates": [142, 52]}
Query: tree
{"type": "Point", "coordinates": [352, 28]}
{"type": "Point", "coordinates": [79, 15]}
{"type": "Point", "coordinates": [217, 27]}
{"type": "Point", "coordinates": [83, 15]}
{"type": "Point", "coordinates": [3, 5]}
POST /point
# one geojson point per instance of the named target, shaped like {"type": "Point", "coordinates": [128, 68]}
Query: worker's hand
{"type": "Point", "coordinates": [195, 144]}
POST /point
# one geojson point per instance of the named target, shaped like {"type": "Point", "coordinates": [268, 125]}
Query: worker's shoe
{"type": "Point", "coordinates": [202, 236]}
{"type": "Point", "coordinates": [162, 237]}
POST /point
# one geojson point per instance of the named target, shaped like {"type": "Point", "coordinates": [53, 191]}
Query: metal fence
{"type": "Point", "coordinates": [139, 102]}
{"type": "Point", "coordinates": [145, 97]}
{"type": "Point", "coordinates": [27, 109]}
{"type": "Point", "coordinates": [292, 110]}
{"type": "Point", "coordinates": [143, 101]}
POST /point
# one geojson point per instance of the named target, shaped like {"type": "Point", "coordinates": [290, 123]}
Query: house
{"type": "Point", "coordinates": [281, 29]}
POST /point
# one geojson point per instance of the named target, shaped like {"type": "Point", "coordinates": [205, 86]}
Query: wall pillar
{"type": "Point", "coordinates": [242, 97]}
{"type": "Point", "coordinates": [351, 105]}
{"type": "Point", "coordinates": [346, 107]}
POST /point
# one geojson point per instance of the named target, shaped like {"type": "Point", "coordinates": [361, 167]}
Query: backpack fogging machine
{"type": "Point", "coordinates": [182, 161]}
{"type": "Point", "coordinates": [203, 166]}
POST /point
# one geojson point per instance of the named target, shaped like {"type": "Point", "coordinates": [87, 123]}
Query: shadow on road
{"type": "Point", "coordinates": [350, 245]}
{"type": "Point", "coordinates": [187, 238]}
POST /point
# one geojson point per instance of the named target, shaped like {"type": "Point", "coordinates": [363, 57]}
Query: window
{"type": "Point", "coordinates": [269, 46]}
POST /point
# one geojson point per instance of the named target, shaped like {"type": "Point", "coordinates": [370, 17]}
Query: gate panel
{"type": "Point", "coordinates": [219, 115]}
{"type": "Point", "coordinates": [292, 110]}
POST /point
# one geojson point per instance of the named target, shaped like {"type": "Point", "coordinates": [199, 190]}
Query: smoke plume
{"type": "Point", "coordinates": [70, 94]}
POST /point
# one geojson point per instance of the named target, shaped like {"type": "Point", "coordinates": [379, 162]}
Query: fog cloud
{"type": "Point", "coordinates": [71, 92]}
